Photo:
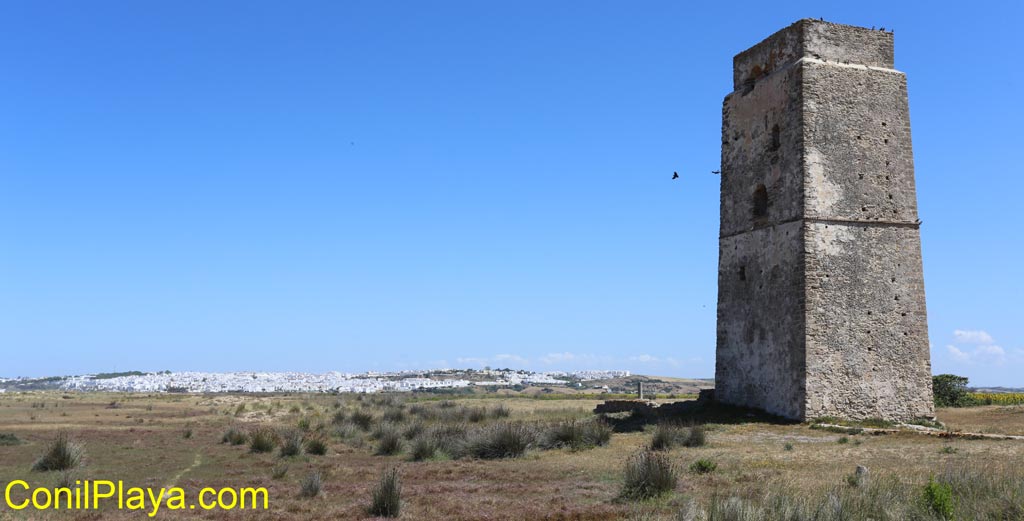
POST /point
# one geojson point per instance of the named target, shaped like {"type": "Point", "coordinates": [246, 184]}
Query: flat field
{"type": "Point", "coordinates": [164, 440]}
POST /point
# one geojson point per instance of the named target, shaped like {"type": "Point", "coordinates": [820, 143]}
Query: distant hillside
{"type": "Point", "coordinates": [653, 384]}
{"type": "Point", "coordinates": [996, 389]}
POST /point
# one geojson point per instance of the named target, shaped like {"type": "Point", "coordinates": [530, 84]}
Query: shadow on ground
{"type": "Point", "coordinates": [633, 415]}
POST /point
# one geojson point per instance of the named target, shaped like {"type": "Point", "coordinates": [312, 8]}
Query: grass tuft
{"type": "Point", "coordinates": [233, 436]}
{"type": "Point", "coordinates": [316, 446]}
{"type": "Point", "coordinates": [262, 439]}
{"type": "Point", "coordinates": [291, 444]}
{"type": "Point", "coordinates": [389, 441]}
{"type": "Point", "coordinates": [61, 454]}
{"type": "Point", "coordinates": [697, 437]}
{"type": "Point", "coordinates": [338, 418]}
{"type": "Point", "coordinates": [423, 448]}
{"type": "Point", "coordinates": [500, 440]}
{"type": "Point", "coordinates": [387, 496]}
{"type": "Point", "coordinates": [311, 484]}
{"type": "Point", "coordinates": [414, 430]}
{"type": "Point", "coordinates": [500, 412]}
{"type": "Point", "coordinates": [648, 474]}
{"type": "Point", "coordinates": [363, 420]}
{"type": "Point", "coordinates": [279, 471]}
{"type": "Point", "coordinates": [577, 435]}
{"type": "Point", "coordinates": [668, 435]}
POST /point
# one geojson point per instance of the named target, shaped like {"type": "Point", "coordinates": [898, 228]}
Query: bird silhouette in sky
{"type": "Point", "coordinates": [716, 172]}
{"type": "Point", "coordinates": [675, 175]}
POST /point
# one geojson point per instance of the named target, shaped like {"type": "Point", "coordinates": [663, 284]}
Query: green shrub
{"type": "Point", "coordinates": [948, 450]}
{"type": "Point", "coordinates": [262, 439]}
{"type": "Point", "coordinates": [703, 466]}
{"type": "Point", "coordinates": [387, 496]}
{"type": "Point", "coordinates": [843, 440]}
{"type": "Point", "coordinates": [311, 484]}
{"type": "Point", "coordinates": [304, 424]}
{"type": "Point", "coordinates": [938, 498]}
{"type": "Point", "coordinates": [788, 446]}
{"type": "Point", "coordinates": [187, 434]}
{"type": "Point", "coordinates": [61, 454]}
{"type": "Point", "coordinates": [648, 474]}
{"type": "Point", "coordinates": [950, 390]}
{"type": "Point", "coordinates": [7, 439]}
{"type": "Point", "coordinates": [316, 446]}
{"type": "Point", "coordinates": [500, 440]}
{"type": "Point", "coordinates": [291, 444]}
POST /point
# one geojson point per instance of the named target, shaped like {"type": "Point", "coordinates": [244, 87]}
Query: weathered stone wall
{"type": "Point", "coordinates": [867, 334]}
{"type": "Point", "coordinates": [821, 305]}
{"type": "Point", "coordinates": [761, 356]}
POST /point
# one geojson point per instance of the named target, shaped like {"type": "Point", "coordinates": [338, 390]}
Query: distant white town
{"type": "Point", "coordinates": [263, 382]}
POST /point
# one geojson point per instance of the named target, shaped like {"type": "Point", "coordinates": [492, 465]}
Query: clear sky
{"type": "Point", "coordinates": [313, 186]}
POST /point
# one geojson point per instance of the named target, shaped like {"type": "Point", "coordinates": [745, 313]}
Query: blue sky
{"type": "Point", "coordinates": [384, 185]}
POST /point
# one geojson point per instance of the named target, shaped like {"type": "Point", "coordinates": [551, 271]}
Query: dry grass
{"type": "Point", "coordinates": [993, 419]}
{"type": "Point", "coordinates": [752, 464]}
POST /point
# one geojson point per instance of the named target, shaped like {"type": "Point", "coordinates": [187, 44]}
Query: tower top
{"type": "Point", "coordinates": [815, 39]}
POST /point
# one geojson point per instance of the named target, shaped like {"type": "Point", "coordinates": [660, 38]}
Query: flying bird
{"type": "Point", "coordinates": [675, 175]}
{"type": "Point", "coordinates": [716, 172]}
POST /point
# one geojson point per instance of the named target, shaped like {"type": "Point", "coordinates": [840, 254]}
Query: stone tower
{"type": "Point", "coordinates": [821, 308]}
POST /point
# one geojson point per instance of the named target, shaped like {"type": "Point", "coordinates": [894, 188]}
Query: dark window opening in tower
{"type": "Point", "coordinates": [760, 202]}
